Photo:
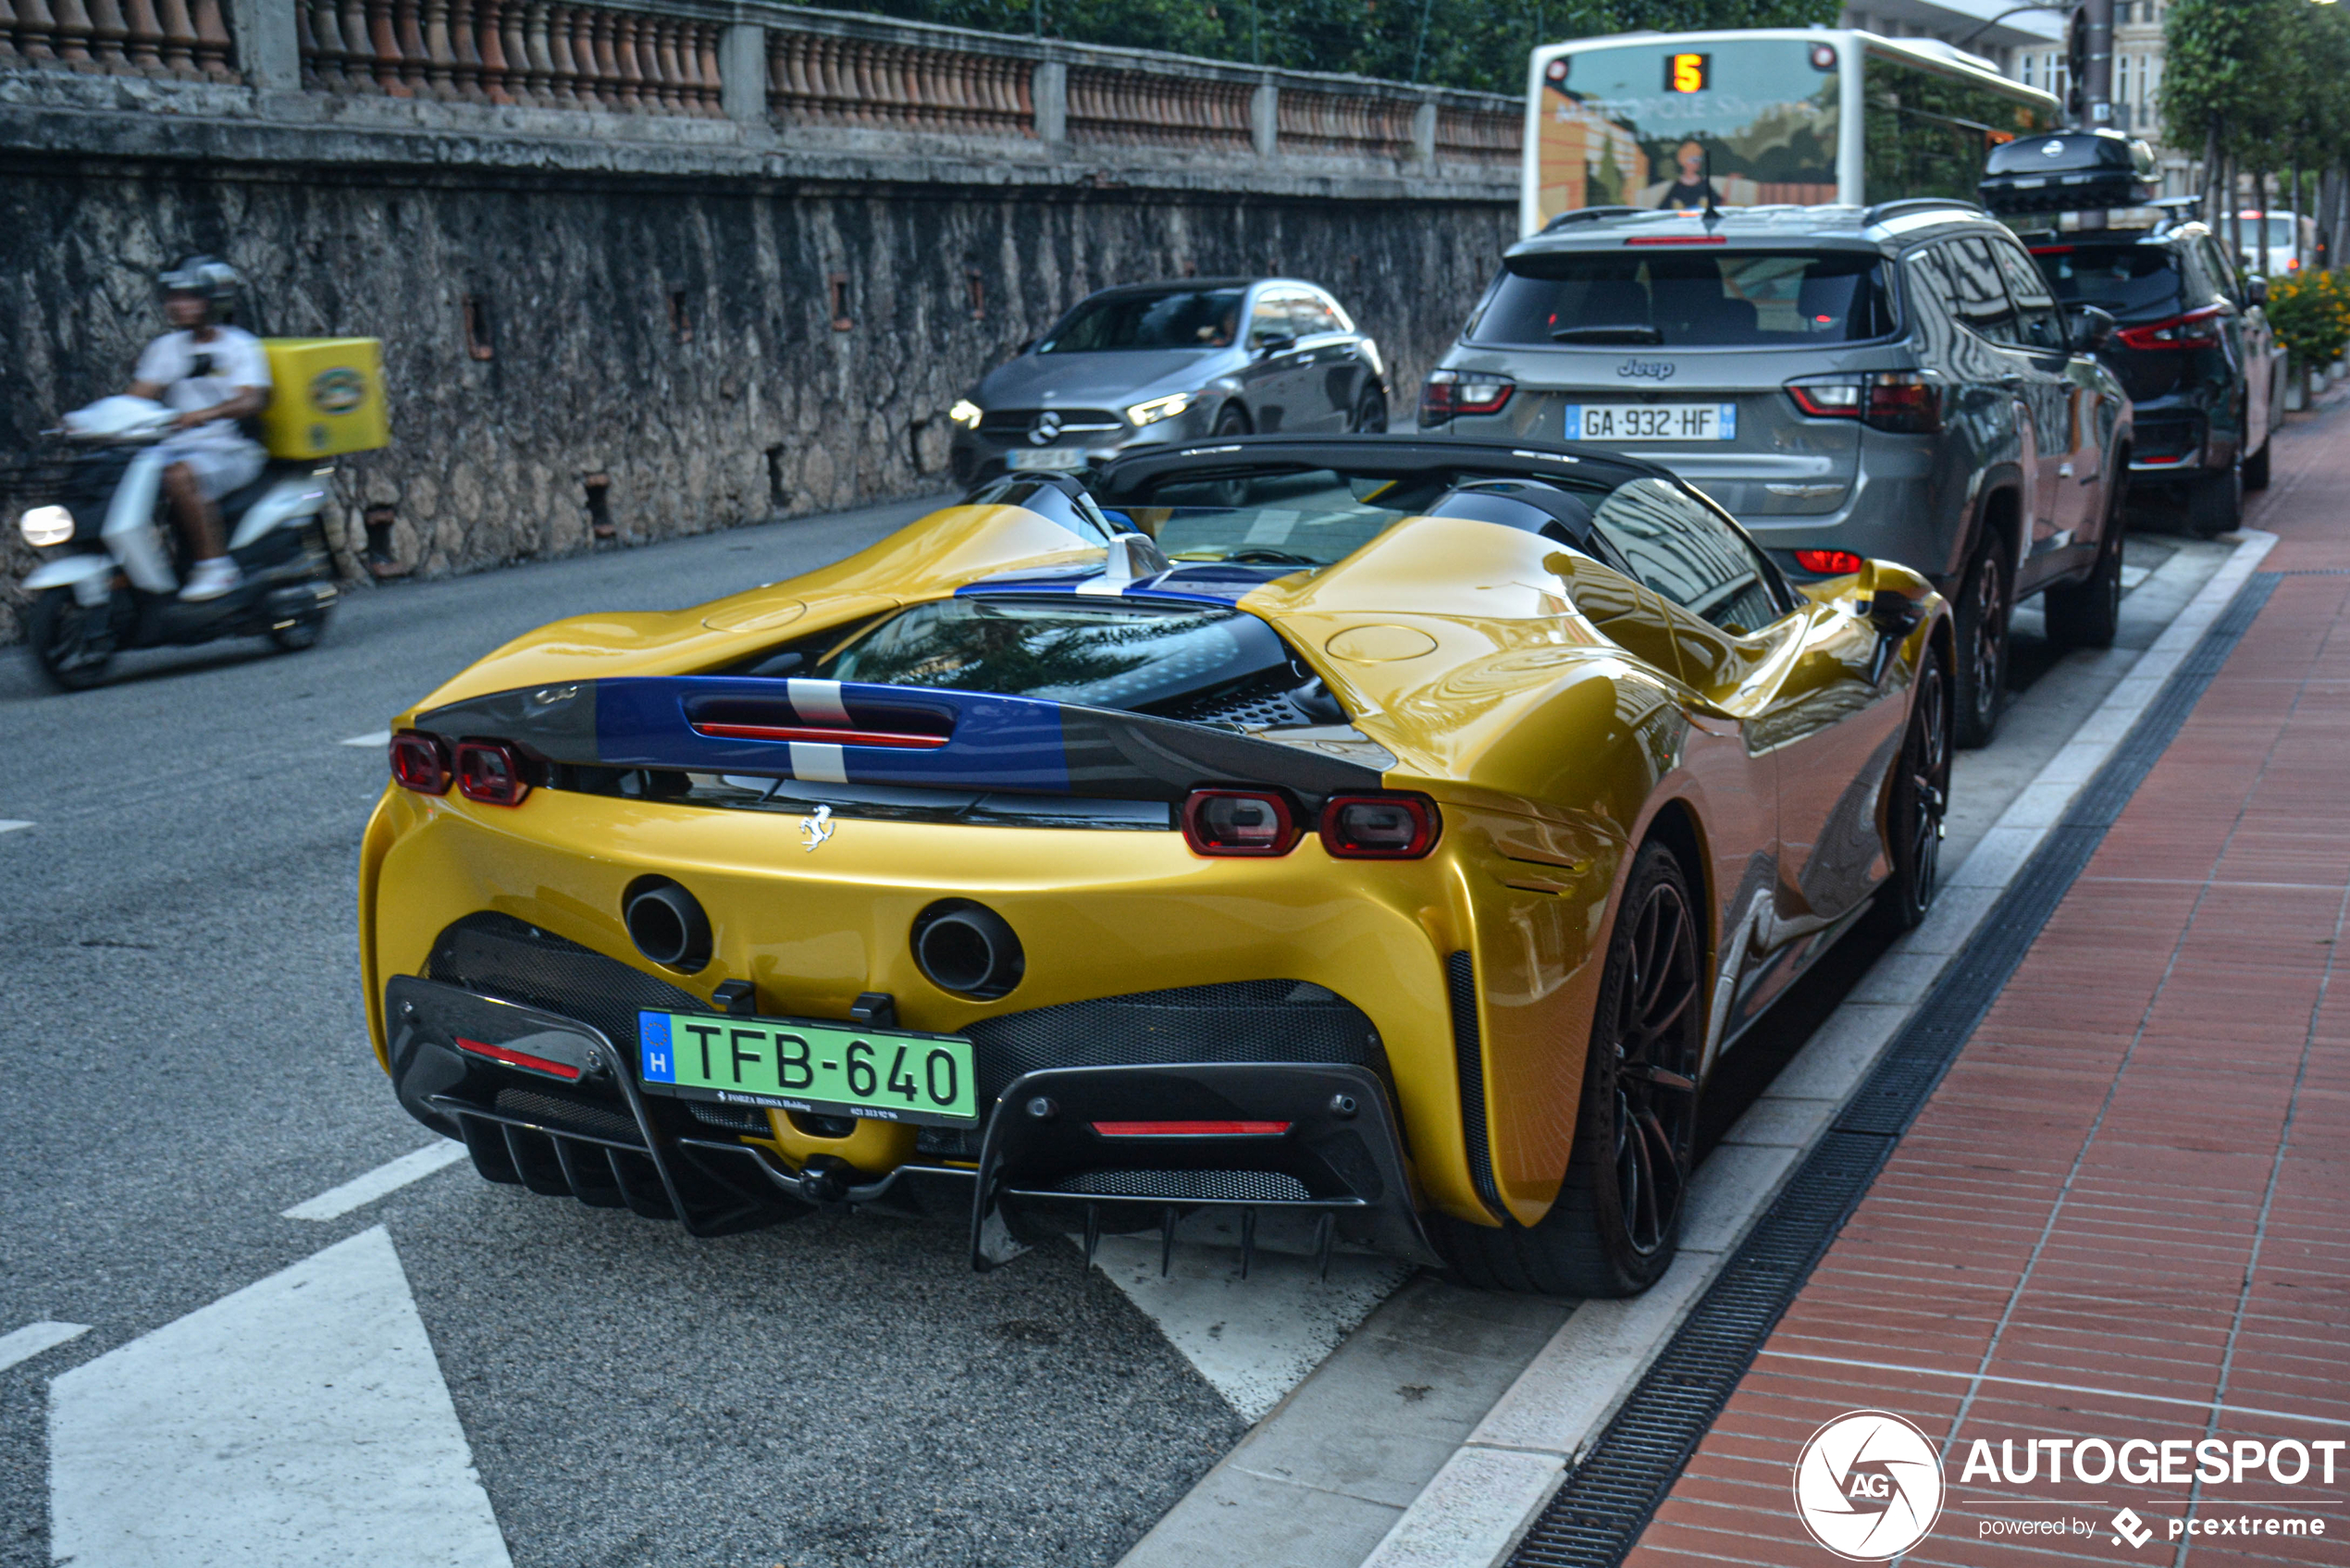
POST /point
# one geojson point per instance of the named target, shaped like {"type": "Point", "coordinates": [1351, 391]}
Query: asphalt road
{"type": "Point", "coordinates": [182, 1058]}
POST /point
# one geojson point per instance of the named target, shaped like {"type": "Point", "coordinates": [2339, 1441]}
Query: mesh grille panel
{"type": "Point", "coordinates": [1249, 1021]}
{"type": "Point", "coordinates": [501, 956]}
{"type": "Point", "coordinates": [734, 1118]}
{"type": "Point", "coordinates": [1197, 1186]}
{"type": "Point", "coordinates": [561, 1110]}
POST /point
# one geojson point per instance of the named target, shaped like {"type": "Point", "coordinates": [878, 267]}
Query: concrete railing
{"type": "Point", "coordinates": [765, 64]}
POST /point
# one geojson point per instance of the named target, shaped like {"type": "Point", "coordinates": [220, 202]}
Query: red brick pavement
{"type": "Point", "coordinates": [2126, 1211]}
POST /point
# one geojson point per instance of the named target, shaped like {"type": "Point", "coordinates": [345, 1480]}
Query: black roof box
{"type": "Point", "coordinates": [2069, 170]}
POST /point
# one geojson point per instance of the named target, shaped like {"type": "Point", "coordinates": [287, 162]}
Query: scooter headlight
{"type": "Point", "coordinates": [47, 526]}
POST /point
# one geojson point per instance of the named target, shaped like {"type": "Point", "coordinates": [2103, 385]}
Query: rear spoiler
{"type": "Point", "coordinates": [835, 732]}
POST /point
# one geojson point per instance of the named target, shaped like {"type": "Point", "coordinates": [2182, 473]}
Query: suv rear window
{"type": "Point", "coordinates": [1717, 299]}
{"type": "Point", "coordinates": [2129, 281]}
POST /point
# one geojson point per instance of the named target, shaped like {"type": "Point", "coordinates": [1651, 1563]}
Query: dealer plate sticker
{"type": "Point", "coordinates": [795, 1065]}
{"type": "Point", "coordinates": [1651, 421]}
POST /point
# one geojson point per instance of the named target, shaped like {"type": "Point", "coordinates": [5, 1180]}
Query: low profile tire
{"type": "Point", "coordinates": [2215, 502]}
{"type": "Point", "coordinates": [1980, 685]}
{"type": "Point", "coordinates": [1616, 1223]}
{"type": "Point", "coordinates": [2256, 467]}
{"type": "Point", "coordinates": [56, 629]}
{"type": "Point", "coordinates": [1916, 800]}
{"type": "Point", "coordinates": [1369, 417]}
{"type": "Point", "coordinates": [2088, 613]}
{"type": "Point", "coordinates": [1232, 421]}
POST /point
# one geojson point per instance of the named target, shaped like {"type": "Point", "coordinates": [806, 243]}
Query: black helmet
{"type": "Point", "coordinates": [208, 277]}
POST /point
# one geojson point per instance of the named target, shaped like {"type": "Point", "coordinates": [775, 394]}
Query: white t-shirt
{"type": "Point", "coordinates": [199, 375]}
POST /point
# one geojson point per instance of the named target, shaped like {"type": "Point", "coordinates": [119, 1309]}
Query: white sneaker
{"type": "Point", "coordinates": [210, 579]}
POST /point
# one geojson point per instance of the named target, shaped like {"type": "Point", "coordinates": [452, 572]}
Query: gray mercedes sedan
{"type": "Point", "coordinates": [1151, 363]}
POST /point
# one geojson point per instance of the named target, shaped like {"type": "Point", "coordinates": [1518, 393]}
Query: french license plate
{"type": "Point", "coordinates": [1651, 421]}
{"type": "Point", "coordinates": [796, 1065]}
{"type": "Point", "coordinates": [1045, 458]}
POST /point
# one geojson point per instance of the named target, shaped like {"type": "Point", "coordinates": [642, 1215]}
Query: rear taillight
{"type": "Point", "coordinates": [420, 762]}
{"type": "Point", "coordinates": [1449, 392]}
{"type": "Point", "coordinates": [2197, 329]}
{"type": "Point", "coordinates": [1239, 822]}
{"type": "Point", "coordinates": [1191, 1129]}
{"type": "Point", "coordinates": [1378, 827]}
{"type": "Point", "coordinates": [1898, 401]}
{"type": "Point", "coordinates": [1829, 562]}
{"type": "Point", "coordinates": [488, 772]}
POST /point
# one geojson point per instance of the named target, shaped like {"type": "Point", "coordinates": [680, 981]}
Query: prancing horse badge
{"type": "Point", "coordinates": [816, 827]}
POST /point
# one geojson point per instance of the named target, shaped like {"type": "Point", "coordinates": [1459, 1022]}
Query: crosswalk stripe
{"type": "Point", "coordinates": [23, 1344]}
{"type": "Point", "coordinates": [336, 1201]}
{"type": "Point", "coordinates": [10, 824]}
{"type": "Point", "coordinates": [380, 737]}
{"type": "Point", "coordinates": [299, 1423]}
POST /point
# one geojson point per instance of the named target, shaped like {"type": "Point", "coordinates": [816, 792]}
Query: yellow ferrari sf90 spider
{"type": "Point", "coordinates": [1389, 832]}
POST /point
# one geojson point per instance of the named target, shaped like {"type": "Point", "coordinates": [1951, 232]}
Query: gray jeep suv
{"type": "Point", "coordinates": [1894, 381]}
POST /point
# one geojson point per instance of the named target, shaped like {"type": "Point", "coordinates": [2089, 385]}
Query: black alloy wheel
{"type": "Point", "coordinates": [73, 645]}
{"type": "Point", "coordinates": [1983, 644]}
{"type": "Point", "coordinates": [1916, 801]}
{"type": "Point", "coordinates": [1232, 421]}
{"type": "Point", "coordinates": [1371, 410]}
{"type": "Point", "coordinates": [1616, 1223]}
{"type": "Point", "coordinates": [2088, 613]}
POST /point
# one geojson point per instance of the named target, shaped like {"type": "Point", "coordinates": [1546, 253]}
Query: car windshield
{"type": "Point", "coordinates": [1719, 298]}
{"type": "Point", "coordinates": [2130, 281]}
{"type": "Point", "coordinates": [1166, 318]}
{"type": "Point", "coordinates": [1116, 655]}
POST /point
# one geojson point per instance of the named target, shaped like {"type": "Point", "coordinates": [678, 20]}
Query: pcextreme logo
{"type": "Point", "coordinates": [1869, 1486]}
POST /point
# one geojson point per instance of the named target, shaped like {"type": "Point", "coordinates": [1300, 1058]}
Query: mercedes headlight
{"type": "Point", "coordinates": [47, 526]}
{"type": "Point", "coordinates": [1158, 409]}
{"type": "Point", "coordinates": [965, 412]}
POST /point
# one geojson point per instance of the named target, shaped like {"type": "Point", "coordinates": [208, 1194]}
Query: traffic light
{"type": "Point", "coordinates": [2076, 63]}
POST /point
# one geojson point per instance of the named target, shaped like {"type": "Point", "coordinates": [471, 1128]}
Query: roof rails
{"type": "Point", "coordinates": [1584, 215]}
{"type": "Point", "coordinates": [1882, 210]}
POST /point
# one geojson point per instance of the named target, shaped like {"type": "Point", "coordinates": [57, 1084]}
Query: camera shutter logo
{"type": "Point", "coordinates": [1868, 1485]}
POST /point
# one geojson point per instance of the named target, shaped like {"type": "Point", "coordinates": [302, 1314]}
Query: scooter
{"type": "Point", "coordinates": [114, 583]}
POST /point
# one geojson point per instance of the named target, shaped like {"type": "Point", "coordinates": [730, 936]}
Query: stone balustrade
{"type": "Point", "coordinates": [773, 65]}
{"type": "Point", "coordinates": [169, 39]}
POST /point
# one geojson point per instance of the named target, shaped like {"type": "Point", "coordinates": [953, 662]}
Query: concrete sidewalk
{"type": "Point", "coordinates": [2125, 1213]}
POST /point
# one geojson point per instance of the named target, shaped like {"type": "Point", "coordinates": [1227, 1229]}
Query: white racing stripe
{"type": "Point", "coordinates": [336, 1201]}
{"type": "Point", "coordinates": [818, 762]}
{"type": "Point", "coordinates": [23, 1344]}
{"type": "Point", "coordinates": [381, 737]}
{"type": "Point", "coordinates": [818, 701]}
{"type": "Point", "coordinates": [299, 1423]}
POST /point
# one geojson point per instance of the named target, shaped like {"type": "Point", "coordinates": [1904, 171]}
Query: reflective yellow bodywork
{"type": "Point", "coordinates": [1553, 709]}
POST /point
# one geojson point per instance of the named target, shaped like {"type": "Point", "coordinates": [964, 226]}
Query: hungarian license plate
{"type": "Point", "coordinates": [1651, 421]}
{"type": "Point", "coordinates": [795, 1065]}
{"type": "Point", "coordinates": [1050, 458]}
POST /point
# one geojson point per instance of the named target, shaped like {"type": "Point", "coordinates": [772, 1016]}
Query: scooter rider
{"type": "Point", "coordinates": [214, 374]}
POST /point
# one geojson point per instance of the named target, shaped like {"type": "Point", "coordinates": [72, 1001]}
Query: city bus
{"type": "Point", "coordinates": [1763, 115]}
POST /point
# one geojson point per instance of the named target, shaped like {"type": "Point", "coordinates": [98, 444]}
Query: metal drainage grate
{"type": "Point", "coordinates": [1601, 1510]}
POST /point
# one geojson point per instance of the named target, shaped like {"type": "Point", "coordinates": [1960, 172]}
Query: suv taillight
{"type": "Point", "coordinates": [2197, 329]}
{"type": "Point", "coordinates": [1898, 400]}
{"type": "Point", "coordinates": [1449, 392]}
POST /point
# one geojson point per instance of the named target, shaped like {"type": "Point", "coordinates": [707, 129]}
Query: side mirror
{"type": "Point", "coordinates": [1893, 614]}
{"type": "Point", "coordinates": [1275, 343]}
{"type": "Point", "coordinates": [2256, 291]}
{"type": "Point", "coordinates": [2090, 327]}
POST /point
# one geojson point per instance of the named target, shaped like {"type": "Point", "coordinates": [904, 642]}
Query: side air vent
{"type": "Point", "coordinates": [1469, 1046]}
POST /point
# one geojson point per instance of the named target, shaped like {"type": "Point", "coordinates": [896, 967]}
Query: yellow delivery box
{"type": "Point", "coordinates": [326, 397]}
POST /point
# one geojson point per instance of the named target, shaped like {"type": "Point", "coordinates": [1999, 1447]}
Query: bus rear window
{"type": "Point", "coordinates": [2130, 281]}
{"type": "Point", "coordinates": [1717, 299]}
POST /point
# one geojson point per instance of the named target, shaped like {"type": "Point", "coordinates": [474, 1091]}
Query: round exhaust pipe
{"type": "Point", "coordinates": [666, 923]}
{"type": "Point", "coordinates": [967, 948]}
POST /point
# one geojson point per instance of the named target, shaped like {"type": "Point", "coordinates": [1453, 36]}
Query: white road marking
{"type": "Point", "coordinates": [1254, 1340]}
{"type": "Point", "coordinates": [10, 824]}
{"type": "Point", "coordinates": [336, 1201]}
{"type": "Point", "coordinates": [23, 1344]}
{"type": "Point", "coordinates": [2133, 575]}
{"type": "Point", "coordinates": [381, 737]}
{"type": "Point", "coordinates": [299, 1423]}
